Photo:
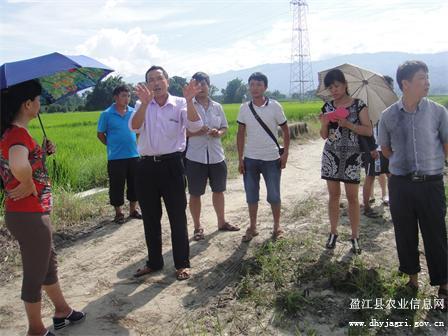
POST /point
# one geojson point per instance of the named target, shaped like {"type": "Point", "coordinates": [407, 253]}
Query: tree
{"type": "Point", "coordinates": [234, 92]}
{"type": "Point", "coordinates": [74, 102]}
{"type": "Point", "coordinates": [176, 85]}
{"type": "Point", "coordinates": [212, 90]}
{"type": "Point", "coordinates": [215, 94]}
{"type": "Point", "coordinates": [275, 95]}
{"type": "Point", "coordinates": [102, 95]}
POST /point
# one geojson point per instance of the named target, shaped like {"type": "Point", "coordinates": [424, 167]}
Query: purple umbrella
{"type": "Point", "coordinates": [59, 75]}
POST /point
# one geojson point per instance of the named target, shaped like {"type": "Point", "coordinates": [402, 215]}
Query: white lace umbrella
{"type": "Point", "coordinates": [364, 84]}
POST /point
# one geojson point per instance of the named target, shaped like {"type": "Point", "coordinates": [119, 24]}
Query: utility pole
{"type": "Point", "coordinates": [301, 75]}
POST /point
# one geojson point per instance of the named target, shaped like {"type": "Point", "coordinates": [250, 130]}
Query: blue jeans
{"type": "Point", "coordinates": [271, 172]}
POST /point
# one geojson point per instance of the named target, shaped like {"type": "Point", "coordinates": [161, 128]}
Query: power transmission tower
{"type": "Point", "coordinates": [301, 76]}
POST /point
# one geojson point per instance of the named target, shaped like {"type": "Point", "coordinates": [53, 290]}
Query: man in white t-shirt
{"type": "Point", "coordinates": [258, 152]}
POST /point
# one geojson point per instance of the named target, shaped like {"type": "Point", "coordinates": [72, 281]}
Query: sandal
{"type": "Point", "coordinates": [182, 274]}
{"type": "Point", "coordinates": [47, 333]}
{"type": "Point", "coordinates": [135, 214]}
{"type": "Point", "coordinates": [331, 242]}
{"type": "Point", "coordinates": [249, 235]}
{"type": "Point", "coordinates": [72, 318]}
{"type": "Point", "coordinates": [279, 234]}
{"type": "Point", "coordinates": [228, 227]}
{"type": "Point", "coordinates": [369, 212]}
{"type": "Point", "coordinates": [355, 246]}
{"type": "Point", "coordinates": [412, 287]}
{"type": "Point", "coordinates": [198, 234]}
{"type": "Point", "coordinates": [443, 295]}
{"type": "Point", "coordinates": [144, 271]}
{"type": "Point", "coordinates": [119, 218]}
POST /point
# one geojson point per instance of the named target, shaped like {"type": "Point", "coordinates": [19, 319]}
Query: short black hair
{"type": "Point", "coordinates": [335, 75]}
{"type": "Point", "coordinates": [13, 97]}
{"type": "Point", "coordinates": [408, 69]}
{"type": "Point", "coordinates": [119, 89]}
{"type": "Point", "coordinates": [259, 77]}
{"type": "Point", "coordinates": [200, 76]}
{"type": "Point", "coordinates": [156, 67]}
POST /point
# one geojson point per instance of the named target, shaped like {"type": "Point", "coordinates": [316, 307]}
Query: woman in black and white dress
{"type": "Point", "coordinates": [341, 159]}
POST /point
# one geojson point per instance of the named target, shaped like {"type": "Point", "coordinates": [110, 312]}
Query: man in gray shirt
{"type": "Point", "coordinates": [413, 134]}
{"type": "Point", "coordinates": [205, 158]}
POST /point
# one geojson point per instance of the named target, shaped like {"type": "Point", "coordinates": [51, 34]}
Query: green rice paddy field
{"type": "Point", "coordinates": [80, 161]}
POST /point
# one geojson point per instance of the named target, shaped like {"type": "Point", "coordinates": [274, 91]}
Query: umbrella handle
{"type": "Point", "coordinates": [42, 126]}
{"type": "Point", "coordinates": [44, 143]}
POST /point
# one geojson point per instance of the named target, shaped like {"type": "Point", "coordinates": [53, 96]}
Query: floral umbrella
{"type": "Point", "coordinates": [59, 75]}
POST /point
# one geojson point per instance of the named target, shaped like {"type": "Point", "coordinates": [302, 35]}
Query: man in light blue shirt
{"type": "Point", "coordinates": [122, 154]}
{"type": "Point", "coordinates": [413, 134]}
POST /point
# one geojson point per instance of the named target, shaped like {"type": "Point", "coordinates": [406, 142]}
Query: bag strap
{"type": "Point", "coordinates": [266, 128]}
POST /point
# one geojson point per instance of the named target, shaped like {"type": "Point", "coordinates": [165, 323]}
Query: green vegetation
{"type": "Point", "coordinates": [299, 282]}
{"type": "Point", "coordinates": [441, 100]}
{"type": "Point", "coordinates": [80, 161]}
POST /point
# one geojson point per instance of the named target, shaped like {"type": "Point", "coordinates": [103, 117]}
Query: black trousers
{"type": "Point", "coordinates": [121, 172]}
{"type": "Point", "coordinates": [156, 180]}
{"type": "Point", "coordinates": [414, 205]}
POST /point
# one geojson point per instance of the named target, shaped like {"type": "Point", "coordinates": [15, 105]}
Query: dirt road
{"type": "Point", "coordinates": [96, 272]}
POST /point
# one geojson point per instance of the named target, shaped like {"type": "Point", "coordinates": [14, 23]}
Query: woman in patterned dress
{"type": "Point", "coordinates": [341, 158]}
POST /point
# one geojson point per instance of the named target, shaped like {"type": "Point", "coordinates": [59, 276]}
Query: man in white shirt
{"type": "Point", "coordinates": [205, 158]}
{"type": "Point", "coordinates": [161, 121]}
{"type": "Point", "coordinates": [260, 154]}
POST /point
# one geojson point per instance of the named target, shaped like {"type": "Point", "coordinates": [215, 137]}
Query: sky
{"type": "Point", "coordinates": [185, 36]}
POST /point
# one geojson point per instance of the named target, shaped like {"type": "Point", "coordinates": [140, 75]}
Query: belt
{"type": "Point", "coordinates": [160, 158]}
{"type": "Point", "coordinates": [413, 177]}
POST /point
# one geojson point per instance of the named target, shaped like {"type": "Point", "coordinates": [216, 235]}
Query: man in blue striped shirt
{"type": "Point", "coordinates": [413, 135]}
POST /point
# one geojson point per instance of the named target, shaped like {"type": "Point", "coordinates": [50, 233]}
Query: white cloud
{"type": "Point", "coordinates": [128, 52]}
{"type": "Point", "coordinates": [395, 27]}
{"type": "Point", "coordinates": [186, 36]}
{"type": "Point", "coordinates": [271, 47]}
{"type": "Point", "coordinates": [187, 23]}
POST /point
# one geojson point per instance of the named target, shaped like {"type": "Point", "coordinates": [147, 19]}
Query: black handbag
{"type": "Point", "coordinates": [366, 143]}
{"type": "Point", "coordinates": [281, 150]}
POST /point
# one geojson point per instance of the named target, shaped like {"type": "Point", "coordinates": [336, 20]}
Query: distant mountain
{"type": "Point", "coordinates": [384, 63]}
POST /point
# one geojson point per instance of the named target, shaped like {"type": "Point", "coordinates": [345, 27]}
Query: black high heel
{"type": "Point", "coordinates": [331, 242]}
{"type": "Point", "coordinates": [355, 246]}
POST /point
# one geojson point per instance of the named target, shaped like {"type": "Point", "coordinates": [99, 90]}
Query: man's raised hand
{"type": "Point", "coordinates": [191, 90]}
{"type": "Point", "coordinates": [144, 93]}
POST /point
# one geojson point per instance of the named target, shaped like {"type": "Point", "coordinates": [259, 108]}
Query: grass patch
{"type": "Point", "coordinates": [443, 100]}
{"type": "Point", "coordinates": [308, 288]}
{"type": "Point", "coordinates": [70, 212]}
{"type": "Point", "coordinates": [299, 284]}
